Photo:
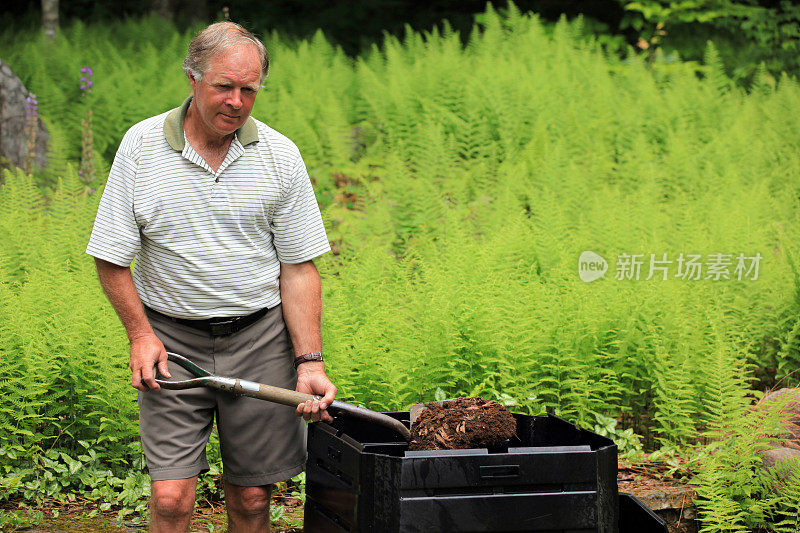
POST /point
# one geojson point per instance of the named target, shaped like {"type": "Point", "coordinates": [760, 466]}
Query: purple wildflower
{"type": "Point", "coordinates": [31, 123]}
{"type": "Point", "coordinates": [87, 170]}
{"type": "Point", "coordinates": [86, 80]}
{"type": "Point", "coordinates": [31, 107]}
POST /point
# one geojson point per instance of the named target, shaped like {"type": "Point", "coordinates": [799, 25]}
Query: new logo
{"type": "Point", "coordinates": [591, 266]}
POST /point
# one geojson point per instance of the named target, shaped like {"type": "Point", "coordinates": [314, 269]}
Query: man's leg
{"type": "Point", "coordinates": [248, 508]}
{"type": "Point", "coordinates": [261, 442]}
{"type": "Point", "coordinates": [171, 504]}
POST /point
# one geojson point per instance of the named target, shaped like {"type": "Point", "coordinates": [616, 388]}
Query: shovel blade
{"type": "Point", "coordinates": [415, 410]}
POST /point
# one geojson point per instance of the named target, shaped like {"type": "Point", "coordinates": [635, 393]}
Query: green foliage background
{"type": "Point", "coordinates": [459, 185]}
{"type": "Point", "coordinates": [750, 33]}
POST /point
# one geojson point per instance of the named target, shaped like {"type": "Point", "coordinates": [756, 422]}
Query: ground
{"type": "Point", "coordinates": [670, 498]}
{"type": "Point", "coordinates": [287, 513]}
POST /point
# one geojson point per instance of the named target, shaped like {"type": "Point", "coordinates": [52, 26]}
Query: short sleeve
{"type": "Point", "coordinates": [297, 228]}
{"type": "Point", "coordinates": [115, 236]}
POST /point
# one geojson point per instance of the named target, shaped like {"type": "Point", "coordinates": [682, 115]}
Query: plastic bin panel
{"type": "Point", "coordinates": [575, 511]}
{"type": "Point", "coordinates": [636, 517]}
{"type": "Point", "coordinates": [544, 469]}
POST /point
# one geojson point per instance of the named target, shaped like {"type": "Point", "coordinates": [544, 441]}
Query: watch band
{"type": "Point", "coordinates": [306, 357]}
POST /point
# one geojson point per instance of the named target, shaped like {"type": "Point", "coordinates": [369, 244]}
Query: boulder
{"type": "Point", "coordinates": [13, 119]}
{"type": "Point", "coordinates": [777, 455]}
{"type": "Point", "coordinates": [786, 447]}
{"type": "Point", "coordinates": [791, 436]}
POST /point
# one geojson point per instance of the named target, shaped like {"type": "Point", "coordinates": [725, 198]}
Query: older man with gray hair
{"type": "Point", "coordinates": [218, 211]}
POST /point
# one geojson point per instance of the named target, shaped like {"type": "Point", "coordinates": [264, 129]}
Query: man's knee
{"type": "Point", "coordinates": [247, 501]}
{"type": "Point", "coordinates": [173, 498]}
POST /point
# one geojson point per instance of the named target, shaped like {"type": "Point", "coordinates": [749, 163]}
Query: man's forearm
{"type": "Point", "coordinates": [117, 283]}
{"type": "Point", "coordinates": [301, 297]}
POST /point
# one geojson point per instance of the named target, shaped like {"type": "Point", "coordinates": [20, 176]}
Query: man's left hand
{"type": "Point", "coordinates": [311, 379]}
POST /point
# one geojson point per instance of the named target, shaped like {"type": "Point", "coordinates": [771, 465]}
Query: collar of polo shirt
{"type": "Point", "coordinates": [173, 128]}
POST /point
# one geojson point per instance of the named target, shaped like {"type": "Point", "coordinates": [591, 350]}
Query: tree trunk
{"type": "Point", "coordinates": [197, 10]}
{"type": "Point", "coordinates": [50, 19]}
{"type": "Point", "coordinates": [164, 9]}
{"type": "Point", "coordinates": [23, 137]}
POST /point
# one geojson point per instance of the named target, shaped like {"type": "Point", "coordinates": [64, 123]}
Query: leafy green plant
{"type": "Point", "coordinates": [625, 439]}
{"type": "Point", "coordinates": [751, 33]}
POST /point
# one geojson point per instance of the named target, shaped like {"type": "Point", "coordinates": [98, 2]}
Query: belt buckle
{"type": "Point", "coordinates": [223, 327]}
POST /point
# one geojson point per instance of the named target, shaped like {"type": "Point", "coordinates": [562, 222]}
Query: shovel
{"type": "Point", "coordinates": [269, 393]}
{"type": "Point", "coordinates": [415, 410]}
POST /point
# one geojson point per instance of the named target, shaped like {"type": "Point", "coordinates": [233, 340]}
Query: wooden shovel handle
{"type": "Point", "coordinates": [271, 394]}
{"type": "Point", "coordinates": [294, 398]}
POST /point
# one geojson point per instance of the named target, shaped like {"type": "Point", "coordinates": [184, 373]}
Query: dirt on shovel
{"type": "Point", "coordinates": [462, 423]}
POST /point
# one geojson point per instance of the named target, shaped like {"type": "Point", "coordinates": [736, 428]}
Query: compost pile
{"type": "Point", "coordinates": [462, 423]}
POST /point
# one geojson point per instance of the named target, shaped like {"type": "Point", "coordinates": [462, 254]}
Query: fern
{"type": "Point", "coordinates": [736, 492]}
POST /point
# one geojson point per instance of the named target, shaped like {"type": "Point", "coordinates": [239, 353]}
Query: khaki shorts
{"type": "Point", "coordinates": [261, 442]}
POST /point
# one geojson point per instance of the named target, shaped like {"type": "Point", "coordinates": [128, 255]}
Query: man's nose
{"type": "Point", "coordinates": [235, 98]}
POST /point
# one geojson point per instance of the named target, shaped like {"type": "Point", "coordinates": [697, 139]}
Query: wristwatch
{"type": "Point", "coordinates": [306, 357]}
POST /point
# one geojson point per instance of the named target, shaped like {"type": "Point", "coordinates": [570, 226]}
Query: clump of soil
{"type": "Point", "coordinates": [462, 423]}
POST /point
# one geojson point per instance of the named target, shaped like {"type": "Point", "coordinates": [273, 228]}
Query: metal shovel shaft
{"type": "Point", "coordinates": [285, 397]}
{"type": "Point", "coordinates": [366, 415]}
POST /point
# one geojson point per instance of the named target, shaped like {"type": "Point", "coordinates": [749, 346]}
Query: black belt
{"type": "Point", "coordinates": [217, 327]}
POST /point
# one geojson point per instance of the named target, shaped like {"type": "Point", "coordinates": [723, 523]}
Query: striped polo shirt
{"type": "Point", "coordinates": [207, 244]}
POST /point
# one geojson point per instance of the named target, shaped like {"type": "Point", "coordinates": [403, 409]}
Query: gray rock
{"type": "Point", "coordinates": [13, 142]}
{"type": "Point", "coordinates": [776, 455]}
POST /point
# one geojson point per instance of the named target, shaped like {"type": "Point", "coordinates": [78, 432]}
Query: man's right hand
{"type": "Point", "coordinates": [146, 352]}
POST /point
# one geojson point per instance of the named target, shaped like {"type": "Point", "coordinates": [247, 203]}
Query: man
{"type": "Point", "coordinates": [219, 212]}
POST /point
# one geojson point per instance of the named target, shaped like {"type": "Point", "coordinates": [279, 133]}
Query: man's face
{"type": "Point", "coordinates": [227, 92]}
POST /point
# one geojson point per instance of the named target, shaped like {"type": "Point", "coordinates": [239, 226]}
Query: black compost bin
{"type": "Point", "coordinates": [552, 477]}
{"type": "Point", "coordinates": [636, 517]}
